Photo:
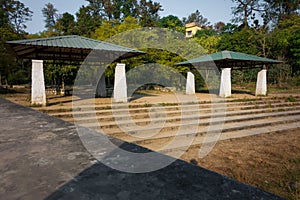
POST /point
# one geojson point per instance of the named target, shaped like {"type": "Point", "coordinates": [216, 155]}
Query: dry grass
{"type": "Point", "coordinates": [269, 161]}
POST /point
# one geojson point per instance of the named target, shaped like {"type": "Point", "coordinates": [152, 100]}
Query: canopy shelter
{"type": "Point", "coordinates": [67, 48]}
{"type": "Point", "coordinates": [226, 60]}
{"type": "Point", "coordinates": [62, 49]}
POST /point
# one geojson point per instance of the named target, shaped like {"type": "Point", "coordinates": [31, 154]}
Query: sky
{"type": "Point", "coordinates": [213, 10]}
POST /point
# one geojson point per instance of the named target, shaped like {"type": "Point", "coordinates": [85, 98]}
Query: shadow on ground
{"type": "Point", "coordinates": [42, 157]}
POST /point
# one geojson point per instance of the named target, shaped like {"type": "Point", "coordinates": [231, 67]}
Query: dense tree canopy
{"type": "Point", "coordinates": [65, 24]}
{"type": "Point", "coordinates": [13, 16]}
{"type": "Point", "coordinates": [260, 27]}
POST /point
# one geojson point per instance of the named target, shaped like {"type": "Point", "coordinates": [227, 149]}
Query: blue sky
{"type": "Point", "coordinates": [213, 10]}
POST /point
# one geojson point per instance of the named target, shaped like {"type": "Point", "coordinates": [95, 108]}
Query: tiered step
{"type": "Point", "coordinates": [157, 127]}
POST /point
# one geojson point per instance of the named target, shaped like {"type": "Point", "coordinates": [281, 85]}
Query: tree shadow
{"type": "Point", "coordinates": [178, 180]}
{"type": "Point", "coordinates": [139, 95]}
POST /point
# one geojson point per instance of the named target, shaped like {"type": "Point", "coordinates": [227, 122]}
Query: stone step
{"type": "Point", "coordinates": [91, 105]}
{"type": "Point", "coordinates": [199, 140]}
{"type": "Point", "coordinates": [58, 112]}
{"type": "Point", "coordinates": [187, 129]}
{"type": "Point", "coordinates": [230, 130]}
{"type": "Point", "coordinates": [87, 116]}
{"type": "Point", "coordinates": [188, 118]}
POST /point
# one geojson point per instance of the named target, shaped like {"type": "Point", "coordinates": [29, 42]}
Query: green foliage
{"type": "Point", "coordinates": [286, 41]}
{"type": "Point", "coordinates": [291, 99]}
{"type": "Point", "coordinates": [60, 74]}
{"type": "Point", "coordinates": [245, 11]}
{"type": "Point", "coordinates": [111, 28]}
{"type": "Point", "coordinates": [65, 25]}
{"type": "Point", "coordinates": [278, 37]}
{"type": "Point", "coordinates": [209, 43]}
{"type": "Point", "coordinates": [14, 15]}
{"type": "Point", "coordinates": [244, 41]}
{"type": "Point", "coordinates": [171, 22]}
{"type": "Point", "coordinates": [218, 27]}
{"type": "Point", "coordinates": [87, 22]}
{"type": "Point", "coordinates": [229, 28]}
{"type": "Point", "coordinates": [197, 18]}
{"type": "Point", "coordinates": [205, 33]}
{"type": "Point", "coordinates": [50, 14]}
{"type": "Point", "coordinates": [208, 39]}
{"type": "Point", "coordinates": [148, 13]}
{"type": "Point", "coordinates": [243, 77]}
{"type": "Point", "coordinates": [294, 52]}
{"type": "Point", "coordinates": [276, 10]}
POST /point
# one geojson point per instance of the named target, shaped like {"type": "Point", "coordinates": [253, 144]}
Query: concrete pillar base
{"type": "Point", "coordinates": [261, 84]}
{"type": "Point", "coordinates": [190, 83]}
{"type": "Point", "coordinates": [225, 84]}
{"type": "Point", "coordinates": [38, 93]}
{"type": "Point", "coordinates": [120, 86]}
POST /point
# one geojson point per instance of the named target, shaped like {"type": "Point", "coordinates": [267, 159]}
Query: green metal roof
{"type": "Point", "coordinates": [230, 59]}
{"type": "Point", "coordinates": [70, 47]}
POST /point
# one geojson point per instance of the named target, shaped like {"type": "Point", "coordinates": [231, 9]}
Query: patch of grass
{"type": "Point", "coordinates": [191, 102]}
{"type": "Point", "coordinates": [36, 105]}
{"type": "Point", "coordinates": [295, 160]}
{"type": "Point", "coordinates": [291, 99]}
{"type": "Point", "coordinates": [260, 95]}
{"type": "Point", "coordinates": [269, 104]}
{"type": "Point", "coordinates": [168, 104]}
{"type": "Point", "coordinates": [245, 100]}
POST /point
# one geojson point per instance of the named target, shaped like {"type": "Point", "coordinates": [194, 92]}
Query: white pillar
{"type": "Point", "coordinates": [261, 84]}
{"type": "Point", "coordinates": [225, 84]}
{"type": "Point", "coordinates": [38, 93]}
{"type": "Point", "coordinates": [120, 86]}
{"type": "Point", "coordinates": [190, 83]}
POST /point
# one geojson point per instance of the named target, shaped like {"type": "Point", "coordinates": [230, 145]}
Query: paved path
{"type": "Point", "coordinates": [41, 157]}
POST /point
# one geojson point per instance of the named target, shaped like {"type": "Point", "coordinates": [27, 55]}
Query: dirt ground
{"type": "Point", "coordinates": [268, 161]}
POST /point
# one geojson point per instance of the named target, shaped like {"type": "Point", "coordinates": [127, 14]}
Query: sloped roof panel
{"type": "Point", "coordinates": [55, 46]}
{"type": "Point", "coordinates": [230, 58]}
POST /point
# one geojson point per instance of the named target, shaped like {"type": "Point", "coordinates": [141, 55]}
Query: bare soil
{"type": "Point", "coordinates": [268, 161]}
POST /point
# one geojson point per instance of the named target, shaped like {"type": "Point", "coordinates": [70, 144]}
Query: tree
{"type": "Point", "coordinates": [229, 28]}
{"type": "Point", "coordinates": [65, 24]}
{"type": "Point", "coordinates": [219, 27]}
{"type": "Point", "coordinates": [148, 13]}
{"type": "Point", "coordinates": [245, 11]}
{"type": "Point", "coordinates": [130, 8]}
{"type": "Point", "coordinates": [243, 40]}
{"type": "Point", "coordinates": [171, 22]}
{"type": "Point", "coordinates": [205, 33]}
{"type": "Point", "coordinates": [13, 15]}
{"type": "Point", "coordinates": [86, 21]}
{"type": "Point", "coordinates": [50, 14]}
{"type": "Point", "coordinates": [197, 18]}
{"type": "Point", "coordinates": [277, 9]}
{"type": "Point", "coordinates": [294, 52]}
{"type": "Point", "coordinates": [111, 28]}
{"type": "Point", "coordinates": [285, 41]}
